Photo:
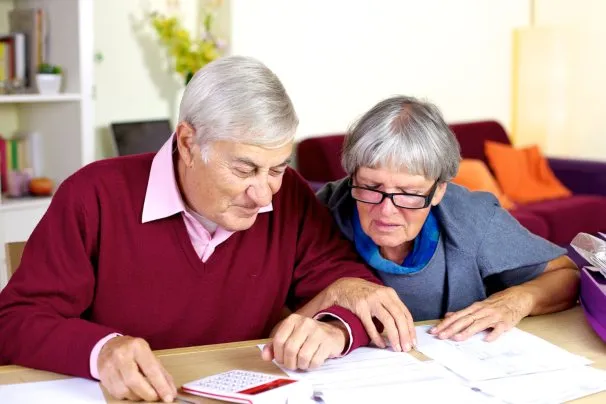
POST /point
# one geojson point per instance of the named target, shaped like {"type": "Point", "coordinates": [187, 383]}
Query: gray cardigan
{"type": "Point", "coordinates": [482, 249]}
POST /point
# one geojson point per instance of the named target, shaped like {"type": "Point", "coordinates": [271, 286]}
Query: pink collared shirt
{"type": "Point", "coordinates": [163, 199]}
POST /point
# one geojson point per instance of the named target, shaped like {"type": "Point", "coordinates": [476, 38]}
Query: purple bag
{"type": "Point", "coordinates": [593, 300]}
{"type": "Point", "coordinates": [593, 280]}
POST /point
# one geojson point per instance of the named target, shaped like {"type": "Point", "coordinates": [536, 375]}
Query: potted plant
{"type": "Point", "coordinates": [189, 52]}
{"type": "Point", "coordinates": [48, 78]}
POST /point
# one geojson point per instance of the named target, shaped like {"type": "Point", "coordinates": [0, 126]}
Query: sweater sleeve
{"type": "Point", "coordinates": [323, 255]}
{"type": "Point", "coordinates": [42, 309]}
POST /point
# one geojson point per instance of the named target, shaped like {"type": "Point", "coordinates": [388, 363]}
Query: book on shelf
{"type": "Point", "coordinates": [3, 165]}
{"type": "Point", "coordinates": [20, 160]}
{"type": "Point", "coordinates": [24, 47]}
{"type": "Point", "coordinates": [14, 57]}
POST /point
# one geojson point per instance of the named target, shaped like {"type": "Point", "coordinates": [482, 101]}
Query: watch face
{"type": "Point", "coordinates": [274, 384]}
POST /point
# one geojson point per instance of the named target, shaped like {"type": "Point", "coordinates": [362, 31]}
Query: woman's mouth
{"type": "Point", "coordinates": [385, 226]}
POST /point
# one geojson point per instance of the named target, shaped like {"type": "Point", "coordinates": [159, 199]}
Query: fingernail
{"type": "Point", "coordinates": [433, 330]}
{"type": "Point", "coordinates": [168, 398]}
{"type": "Point", "coordinates": [407, 347]}
{"type": "Point", "coordinates": [397, 348]}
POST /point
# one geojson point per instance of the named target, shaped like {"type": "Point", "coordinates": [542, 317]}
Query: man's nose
{"type": "Point", "coordinates": [260, 193]}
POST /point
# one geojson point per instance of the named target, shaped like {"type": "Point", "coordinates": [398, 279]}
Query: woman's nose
{"type": "Point", "coordinates": [387, 206]}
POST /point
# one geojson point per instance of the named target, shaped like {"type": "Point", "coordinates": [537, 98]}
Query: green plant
{"type": "Point", "coordinates": [47, 68]}
{"type": "Point", "coordinates": [189, 53]}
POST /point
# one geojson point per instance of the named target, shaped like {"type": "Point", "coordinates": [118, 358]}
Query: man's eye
{"type": "Point", "coordinates": [370, 186]}
{"type": "Point", "coordinates": [277, 173]}
{"type": "Point", "coordinates": [244, 173]}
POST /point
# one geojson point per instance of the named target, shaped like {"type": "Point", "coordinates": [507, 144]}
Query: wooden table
{"type": "Point", "coordinates": [567, 329]}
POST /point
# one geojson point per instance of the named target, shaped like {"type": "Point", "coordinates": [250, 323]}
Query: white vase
{"type": "Point", "coordinates": [48, 83]}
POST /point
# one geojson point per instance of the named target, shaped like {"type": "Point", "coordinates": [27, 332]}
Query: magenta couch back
{"type": "Point", "coordinates": [319, 158]}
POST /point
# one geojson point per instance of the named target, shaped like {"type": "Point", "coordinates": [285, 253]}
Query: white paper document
{"type": "Point", "coordinates": [546, 388]}
{"type": "Point", "coordinates": [435, 391]}
{"type": "Point", "coordinates": [68, 391]}
{"type": "Point", "coordinates": [363, 366]}
{"type": "Point", "coordinates": [370, 375]}
{"type": "Point", "coordinates": [514, 353]}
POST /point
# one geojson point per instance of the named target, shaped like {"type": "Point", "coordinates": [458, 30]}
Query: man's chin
{"type": "Point", "coordinates": [235, 223]}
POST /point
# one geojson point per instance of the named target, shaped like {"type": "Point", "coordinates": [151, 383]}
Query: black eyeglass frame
{"type": "Point", "coordinates": [391, 195]}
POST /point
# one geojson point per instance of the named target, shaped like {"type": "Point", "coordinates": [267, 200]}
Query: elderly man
{"type": "Point", "coordinates": [204, 242]}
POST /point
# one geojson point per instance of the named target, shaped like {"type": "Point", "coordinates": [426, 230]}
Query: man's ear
{"type": "Point", "coordinates": [439, 194]}
{"type": "Point", "coordinates": [185, 135]}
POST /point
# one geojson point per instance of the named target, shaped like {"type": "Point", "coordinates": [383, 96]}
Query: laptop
{"type": "Point", "coordinates": [141, 136]}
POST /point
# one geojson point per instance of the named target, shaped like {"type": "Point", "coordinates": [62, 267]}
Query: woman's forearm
{"type": "Point", "coordinates": [552, 291]}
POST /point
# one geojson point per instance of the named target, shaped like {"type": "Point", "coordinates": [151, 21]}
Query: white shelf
{"type": "Point", "coordinates": [32, 202]}
{"type": "Point", "coordinates": [65, 121]}
{"type": "Point", "coordinates": [29, 98]}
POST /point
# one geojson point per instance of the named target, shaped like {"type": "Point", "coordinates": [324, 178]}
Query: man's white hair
{"type": "Point", "coordinates": [238, 99]}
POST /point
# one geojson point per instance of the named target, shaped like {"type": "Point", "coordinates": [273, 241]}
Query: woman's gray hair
{"type": "Point", "coordinates": [238, 99]}
{"type": "Point", "coordinates": [403, 133]}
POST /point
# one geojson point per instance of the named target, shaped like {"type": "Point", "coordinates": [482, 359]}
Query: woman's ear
{"type": "Point", "coordinates": [186, 144]}
{"type": "Point", "coordinates": [439, 194]}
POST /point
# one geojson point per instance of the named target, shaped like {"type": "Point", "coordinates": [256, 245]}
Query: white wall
{"type": "Point", "coordinates": [581, 129]}
{"type": "Point", "coordinates": [336, 58]}
{"type": "Point", "coordinates": [132, 81]}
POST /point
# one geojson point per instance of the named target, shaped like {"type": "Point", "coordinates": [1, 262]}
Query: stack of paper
{"type": "Point", "coordinates": [513, 353]}
{"type": "Point", "coordinates": [72, 391]}
{"type": "Point", "coordinates": [548, 387]}
{"type": "Point", "coordinates": [517, 368]}
{"type": "Point", "coordinates": [381, 375]}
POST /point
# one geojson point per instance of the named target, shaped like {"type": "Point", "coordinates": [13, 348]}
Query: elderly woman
{"type": "Point", "coordinates": [447, 252]}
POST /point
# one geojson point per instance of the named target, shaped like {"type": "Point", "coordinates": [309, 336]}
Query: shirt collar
{"type": "Point", "coordinates": [162, 197]}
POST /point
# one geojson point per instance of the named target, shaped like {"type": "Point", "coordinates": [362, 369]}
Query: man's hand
{"type": "Point", "coordinates": [129, 370]}
{"type": "Point", "coordinates": [368, 300]}
{"type": "Point", "coordinates": [303, 343]}
{"type": "Point", "coordinates": [500, 312]}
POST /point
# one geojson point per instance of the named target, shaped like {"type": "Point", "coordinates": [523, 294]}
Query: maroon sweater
{"type": "Point", "coordinates": [91, 268]}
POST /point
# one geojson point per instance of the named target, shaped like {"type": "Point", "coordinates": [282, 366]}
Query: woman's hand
{"type": "Point", "coordinates": [554, 290]}
{"type": "Point", "coordinates": [500, 312]}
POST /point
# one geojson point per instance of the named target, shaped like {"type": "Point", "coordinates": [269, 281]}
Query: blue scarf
{"type": "Point", "coordinates": [423, 249]}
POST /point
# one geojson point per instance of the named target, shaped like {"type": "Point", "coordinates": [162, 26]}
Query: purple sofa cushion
{"type": "Point", "coordinates": [535, 224]}
{"type": "Point", "coordinates": [319, 158]}
{"type": "Point", "coordinates": [581, 176]}
{"type": "Point", "coordinates": [567, 217]}
{"type": "Point", "coordinates": [473, 135]}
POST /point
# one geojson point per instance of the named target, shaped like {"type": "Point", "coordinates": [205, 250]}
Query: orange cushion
{"type": "Point", "coordinates": [524, 174]}
{"type": "Point", "coordinates": [475, 176]}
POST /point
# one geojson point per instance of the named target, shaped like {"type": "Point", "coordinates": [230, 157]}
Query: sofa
{"type": "Point", "coordinates": [558, 220]}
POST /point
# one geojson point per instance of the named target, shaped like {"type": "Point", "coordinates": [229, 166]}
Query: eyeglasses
{"type": "Point", "coordinates": [399, 199]}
